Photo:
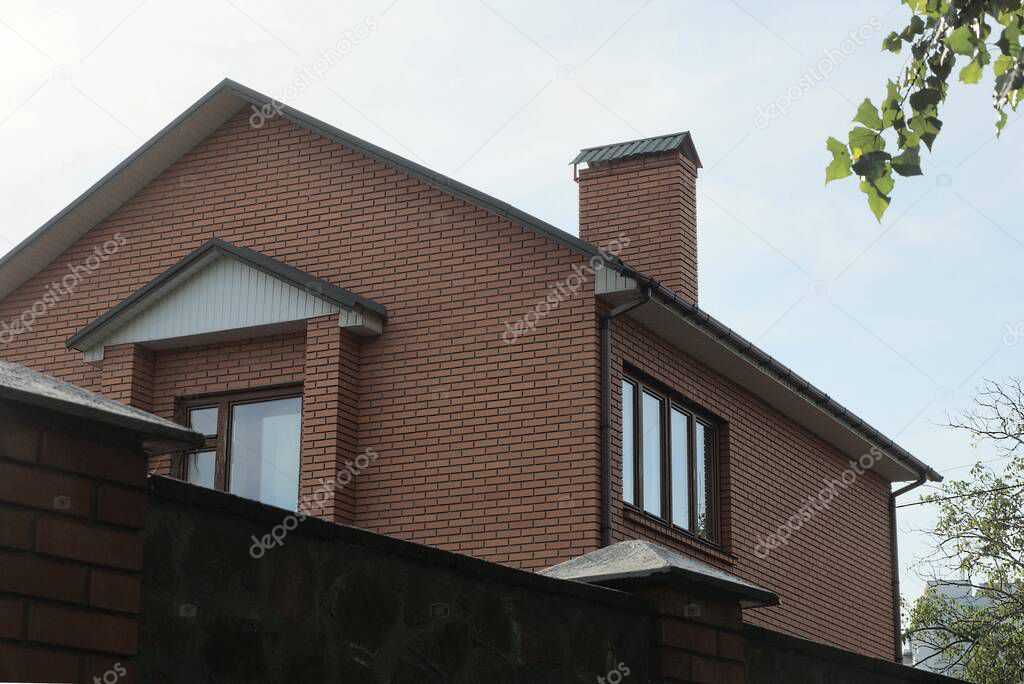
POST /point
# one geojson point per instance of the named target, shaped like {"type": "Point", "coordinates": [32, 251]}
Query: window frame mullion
{"type": "Point", "coordinates": [220, 478]}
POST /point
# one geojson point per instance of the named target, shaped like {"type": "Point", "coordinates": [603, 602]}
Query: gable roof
{"type": "Point", "coordinates": [26, 386]}
{"type": "Point", "coordinates": [304, 291]}
{"type": "Point", "coordinates": [214, 108]}
{"type": "Point", "coordinates": [228, 98]}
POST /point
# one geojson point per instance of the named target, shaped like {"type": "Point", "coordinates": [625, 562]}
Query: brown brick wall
{"type": "Point", "coordinates": [71, 512]}
{"type": "Point", "coordinates": [653, 201]}
{"type": "Point", "coordinates": [833, 575]}
{"type": "Point", "coordinates": [484, 447]}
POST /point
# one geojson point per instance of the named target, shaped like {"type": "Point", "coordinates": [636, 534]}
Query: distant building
{"type": "Point", "coordinates": [924, 656]}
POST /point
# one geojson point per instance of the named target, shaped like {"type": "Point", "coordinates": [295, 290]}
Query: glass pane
{"type": "Point", "coordinates": [704, 487]}
{"type": "Point", "coordinates": [680, 468]}
{"type": "Point", "coordinates": [265, 451]}
{"type": "Point", "coordinates": [652, 454]}
{"type": "Point", "coordinates": [200, 468]}
{"type": "Point", "coordinates": [628, 447]}
{"type": "Point", "coordinates": [203, 421]}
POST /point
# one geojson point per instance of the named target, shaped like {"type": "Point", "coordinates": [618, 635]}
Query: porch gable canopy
{"type": "Point", "coordinates": [221, 292]}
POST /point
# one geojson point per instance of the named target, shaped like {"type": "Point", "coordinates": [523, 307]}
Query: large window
{"type": "Point", "coordinates": [252, 444]}
{"type": "Point", "coordinates": [669, 459]}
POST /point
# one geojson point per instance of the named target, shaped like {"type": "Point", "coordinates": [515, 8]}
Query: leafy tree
{"type": "Point", "coordinates": [971, 35]}
{"type": "Point", "coordinates": [980, 536]}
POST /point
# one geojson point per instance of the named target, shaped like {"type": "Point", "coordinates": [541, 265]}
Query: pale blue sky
{"type": "Point", "coordinates": [898, 321]}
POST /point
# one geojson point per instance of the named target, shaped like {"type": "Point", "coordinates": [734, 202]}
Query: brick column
{"type": "Point", "coordinates": [72, 508]}
{"type": "Point", "coordinates": [697, 638]}
{"type": "Point", "coordinates": [697, 632]}
{"type": "Point", "coordinates": [128, 375]}
{"type": "Point", "coordinates": [330, 396]}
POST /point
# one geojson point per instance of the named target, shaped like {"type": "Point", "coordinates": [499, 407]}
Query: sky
{"type": "Point", "coordinates": [899, 320]}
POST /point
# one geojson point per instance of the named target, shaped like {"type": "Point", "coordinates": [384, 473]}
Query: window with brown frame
{"type": "Point", "coordinates": [669, 458]}
{"type": "Point", "coordinates": [252, 443]}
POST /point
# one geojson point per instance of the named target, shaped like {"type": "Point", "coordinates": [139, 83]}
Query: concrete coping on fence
{"type": "Point", "coordinates": [637, 561]}
{"type": "Point", "coordinates": [23, 385]}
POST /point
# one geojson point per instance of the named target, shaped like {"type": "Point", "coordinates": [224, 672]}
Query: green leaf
{"type": "Point", "coordinates": [872, 166]}
{"type": "Point", "coordinates": [840, 165]}
{"type": "Point", "coordinates": [930, 130]}
{"type": "Point", "coordinates": [1000, 122]}
{"type": "Point", "coordinates": [915, 27]}
{"type": "Point", "coordinates": [941, 65]}
{"type": "Point", "coordinates": [908, 163]}
{"type": "Point", "coordinates": [1009, 39]}
{"type": "Point", "coordinates": [867, 114]}
{"type": "Point", "coordinates": [971, 73]}
{"type": "Point", "coordinates": [925, 98]}
{"type": "Point", "coordinates": [885, 183]}
{"type": "Point", "coordinates": [1003, 64]}
{"type": "Point", "coordinates": [877, 201]}
{"type": "Point", "coordinates": [961, 41]}
{"type": "Point", "coordinates": [865, 140]}
{"type": "Point", "coordinates": [892, 43]}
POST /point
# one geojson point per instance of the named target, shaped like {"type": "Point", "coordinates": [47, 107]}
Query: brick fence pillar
{"type": "Point", "coordinates": [696, 609]}
{"type": "Point", "coordinates": [71, 513]}
{"type": "Point", "coordinates": [697, 637]}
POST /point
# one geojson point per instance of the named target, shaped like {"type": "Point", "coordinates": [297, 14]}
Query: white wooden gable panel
{"type": "Point", "coordinates": [224, 295]}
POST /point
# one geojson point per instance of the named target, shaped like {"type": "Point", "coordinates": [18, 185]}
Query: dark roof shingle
{"type": "Point", "coordinates": [682, 141]}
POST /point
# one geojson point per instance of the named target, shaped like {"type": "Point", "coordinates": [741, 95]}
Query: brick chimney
{"type": "Point", "coordinates": [646, 191]}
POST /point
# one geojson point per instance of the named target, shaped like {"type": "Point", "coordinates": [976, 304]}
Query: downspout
{"type": "Point", "coordinates": [894, 554]}
{"type": "Point", "coordinates": [606, 411]}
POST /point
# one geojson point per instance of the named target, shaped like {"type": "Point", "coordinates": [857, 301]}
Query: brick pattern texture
{"type": "Point", "coordinates": [833, 575]}
{"type": "Point", "coordinates": [70, 554]}
{"type": "Point", "coordinates": [696, 637]}
{"type": "Point", "coordinates": [486, 448]}
{"type": "Point", "coordinates": [653, 201]}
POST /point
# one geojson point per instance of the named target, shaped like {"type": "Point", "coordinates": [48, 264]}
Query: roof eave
{"type": "Point", "coordinates": [33, 253]}
{"type": "Point", "coordinates": [785, 378]}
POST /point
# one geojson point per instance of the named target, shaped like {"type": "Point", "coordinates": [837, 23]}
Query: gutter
{"type": "Point", "coordinates": [606, 411]}
{"type": "Point", "coordinates": [782, 374]}
{"type": "Point", "coordinates": [894, 555]}
{"type": "Point", "coordinates": [779, 371]}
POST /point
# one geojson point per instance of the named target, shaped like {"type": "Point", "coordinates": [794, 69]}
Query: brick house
{"type": "Point", "coordinates": [388, 348]}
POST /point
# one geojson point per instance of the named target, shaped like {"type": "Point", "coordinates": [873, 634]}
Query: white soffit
{"type": "Point", "coordinates": [682, 333]}
{"type": "Point", "coordinates": [216, 297]}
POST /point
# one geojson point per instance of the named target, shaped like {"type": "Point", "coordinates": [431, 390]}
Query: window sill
{"type": "Point", "coordinates": [671, 536]}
